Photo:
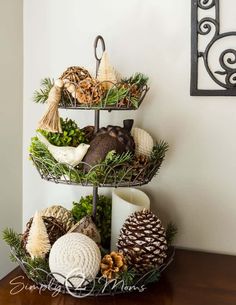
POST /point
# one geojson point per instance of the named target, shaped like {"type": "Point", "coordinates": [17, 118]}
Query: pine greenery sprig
{"type": "Point", "coordinates": [112, 158]}
{"type": "Point", "coordinates": [124, 90]}
{"type": "Point", "coordinates": [171, 232]}
{"type": "Point", "coordinates": [41, 95]}
{"type": "Point", "coordinates": [114, 95]}
{"type": "Point", "coordinates": [138, 79]}
{"type": "Point", "coordinates": [159, 150]}
{"type": "Point", "coordinates": [128, 276]}
{"type": "Point", "coordinates": [11, 238]}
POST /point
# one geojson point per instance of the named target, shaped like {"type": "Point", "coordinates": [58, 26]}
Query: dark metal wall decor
{"type": "Point", "coordinates": [212, 49]}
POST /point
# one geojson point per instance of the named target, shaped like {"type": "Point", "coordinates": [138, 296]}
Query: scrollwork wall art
{"type": "Point", "coordinates": [212, 50]}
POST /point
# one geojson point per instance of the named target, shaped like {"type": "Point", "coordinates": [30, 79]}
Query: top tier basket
{"type": "Point", "coordinates": [119, 96]}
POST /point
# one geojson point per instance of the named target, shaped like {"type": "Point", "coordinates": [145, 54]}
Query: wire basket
{"type": "Point", "coordinates": [44, 279]}
{"type": "Point", "coordinates": [101, 175]}
{"type": "Point", "coordinates": [127, 101]}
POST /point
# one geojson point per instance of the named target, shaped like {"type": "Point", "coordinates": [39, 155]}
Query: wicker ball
{"type": "Point", "coordinates": [73, 256]}
{"type": "Point", "coordinates": [143, 241]}
{"type": "Point", "coordinates": [61, 214]}
{"type": "Point", "coordinates": [75, 74]}
{"type": "Point", "coordinates": [54, 228]}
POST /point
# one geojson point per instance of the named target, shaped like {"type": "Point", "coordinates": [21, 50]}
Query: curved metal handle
{"type": "Point", "coordinates": [98, 59]}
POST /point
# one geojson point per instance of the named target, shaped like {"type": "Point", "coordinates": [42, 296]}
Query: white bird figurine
{"type": "Point", "coordinates": [65, 154]}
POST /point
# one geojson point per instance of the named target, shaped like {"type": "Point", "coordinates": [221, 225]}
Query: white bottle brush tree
{"type": "Point", "coordinates": [106, 72]}
{"type": "Point", "coordinates": [38, 244]}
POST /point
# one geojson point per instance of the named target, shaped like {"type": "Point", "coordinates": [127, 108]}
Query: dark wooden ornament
{"type": "Point", "coordinates": [107, 139]}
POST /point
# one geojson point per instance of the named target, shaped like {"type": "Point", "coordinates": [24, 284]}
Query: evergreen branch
{"type": "Point", "coordinates": [11, 238]}
{"type": "Point", "coordinates": [14, 241]}
{"type": "Point", "coordinates": [114, 95]}
{"type": "Point", "coordinates": [159, 150]}
{"type": "Point", "coordinates": [138, 79]}
{"type": "Point", "coordinates": [128, 276]}
{"type": "Point", "coordinates": [41, 95]}
{"type": "Point", "coordinates": [112, 158]}
{"type": "Point", "coordinates": [12, 258]}
{"type": "Point", "coordinates": [124, 90]}
{"type": "Point", "coordinates": [171, 232]}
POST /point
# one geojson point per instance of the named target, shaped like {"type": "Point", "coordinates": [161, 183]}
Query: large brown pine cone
{"type": "Point", "coordinates": [143, 241]}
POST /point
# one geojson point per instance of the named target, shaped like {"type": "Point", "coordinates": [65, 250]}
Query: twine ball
{"type": "Point", "coordinates": [143, 142]}
{"type": "Point", "coordinates": [74, 255]}
{"type": "Point", "coordinates": [63, 215]}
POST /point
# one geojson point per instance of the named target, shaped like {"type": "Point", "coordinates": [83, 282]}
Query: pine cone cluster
{"type": "Point", "coordinates": [134, 92]}
{"type": "Point", "coordinates": [140, 167]}
{"type": "Point", "coordinates": [89, 91]}
{"type": "Point", "coordinates": [143, 241]}
{"type": "Point", "coordinates": [54, 230]}
{"type": "Point", "coordinates": [112, 264]}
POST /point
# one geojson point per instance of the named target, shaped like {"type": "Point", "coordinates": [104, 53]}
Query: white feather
{"type": "Point", "coordinates": [65, 154]}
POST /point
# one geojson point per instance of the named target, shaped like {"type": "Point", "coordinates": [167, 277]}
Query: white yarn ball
{"type": "Point", "coordinates": [143, 142]}
{"type": "Point", "coordinates": [74, 254]}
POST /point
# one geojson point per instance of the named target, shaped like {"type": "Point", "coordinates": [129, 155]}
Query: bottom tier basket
{"type": "Point", "coordinates": [127, 283]}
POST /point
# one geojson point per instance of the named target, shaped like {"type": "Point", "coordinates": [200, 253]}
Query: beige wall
{"type": "Point", "coordinates": [196, 185]}
{"type": "Point", "coordinates": [11, 62]}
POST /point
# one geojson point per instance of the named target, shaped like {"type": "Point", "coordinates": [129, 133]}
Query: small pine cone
{"type": "Point", "coordinates": [140, 166]}
{"type": "Point", "coordinates": [89, 91]}
{"type": "Point", "coordinates": [112, 264]}
{"type": "Point", "coordinates": [143, 241]}
{"type": "Point", "coordinates": [142, 160]}
{"type": "Point", "coordinates": [133, 92]}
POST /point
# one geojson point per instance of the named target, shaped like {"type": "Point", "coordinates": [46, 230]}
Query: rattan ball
{"type": "Point", "coordinates": [54, 228]}
{"type": "Point", "coordinates": [74, 257]}
{"type": "Point", "coordinates": [75, 74]}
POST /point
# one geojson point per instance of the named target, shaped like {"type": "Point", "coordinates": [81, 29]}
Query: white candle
{"type": "Point", "coordinates": [125, 201]}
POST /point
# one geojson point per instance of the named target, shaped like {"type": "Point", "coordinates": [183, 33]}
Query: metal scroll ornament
{"type": "Point", "coordinates": [215, 50]}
